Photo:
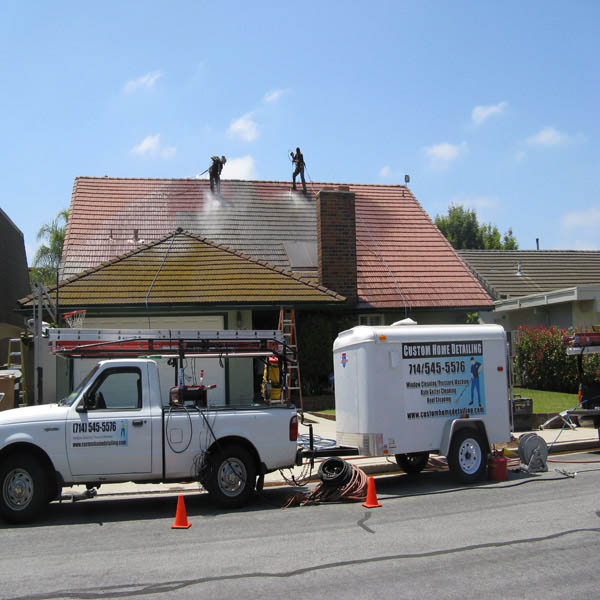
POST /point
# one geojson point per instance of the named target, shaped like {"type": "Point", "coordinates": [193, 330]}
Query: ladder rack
{"type": "Point", "coordinates": [111, 343]}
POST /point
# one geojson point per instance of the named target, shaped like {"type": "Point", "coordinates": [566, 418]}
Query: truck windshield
{"type": "Point", "coordinates": [68, 400]}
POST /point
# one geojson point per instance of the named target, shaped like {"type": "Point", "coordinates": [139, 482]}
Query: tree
{"type": "Point", "coordinates": [463, 230]}
{"type": "Point", "coordinates": [48, 255]}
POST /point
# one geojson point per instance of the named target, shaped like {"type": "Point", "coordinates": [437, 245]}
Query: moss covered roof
{"type": "Point", "coordinates": [184, 268]}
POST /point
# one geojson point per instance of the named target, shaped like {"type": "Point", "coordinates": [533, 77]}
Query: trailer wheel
{"type": "Point", "coordinates": [231, 477]}
{"type": "Point", "coordinates": [467, 456]}
{"type": "Point", "coordinates": [23, 489]}
{"type": "Point", "coordinates": [413, 463]}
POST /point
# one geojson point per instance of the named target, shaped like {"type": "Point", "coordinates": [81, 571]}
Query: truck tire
{"type": "Point", "coordinates": [467, 458]}
{"type": "Point", "coordinates": [231, 476]}
{"type": "Point", "coordinates": [24, 490]}
{"type": "Point", "coordinates": [413, 463]}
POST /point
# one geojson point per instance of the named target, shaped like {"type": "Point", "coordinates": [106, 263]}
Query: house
{"type": "Point", "coordinates": [539, 287]}
{"type": "Point", "coordinates": [15, 281]}
{"type": "Point", "coordinates": [348, 254]}
{"type": "Point", "coordinates": [373, 244]}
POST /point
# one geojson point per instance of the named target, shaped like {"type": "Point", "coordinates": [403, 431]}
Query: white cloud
{"type": "Point", "coordinates": [236, 168]}
{"type": "Point", "coordinates": [486, 207]}
{"type": "Point", "coordinates": [478, 202]}
{"type": "Point", "coordinates": [480, 114]}
{"type": "Point", "coordinates": [145, 81]}
{"type": "Point", "coordinates": [441, 155]}
{"type": "Point", "coordinates": [244, 128]}
{"type": "Point", "coordinates": [548, 136]}
{"type": "Point", "coordinates": [240, 168]}
{"type": "Point", "coordinates": [582, 219]}
{"type": "Point", "coordinates": [385, 171]}
{"type": "Point", "coordinates": [520, 156]}
{"type": "Point", "coordinates": [273, 95]}
{"type": "Point", "coordinates": [150, 147]}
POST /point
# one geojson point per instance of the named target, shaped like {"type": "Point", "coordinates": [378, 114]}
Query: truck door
{"type": "Point", "coordinates": [114, 434]}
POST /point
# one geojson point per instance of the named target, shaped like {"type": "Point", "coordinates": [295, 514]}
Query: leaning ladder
{"type": "Point", "coordinates": [15, 361]}
{"type": "Point", "coordinates": [287, 325]}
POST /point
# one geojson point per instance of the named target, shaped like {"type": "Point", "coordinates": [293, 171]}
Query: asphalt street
{"type": "Point", "coordinates": [531, 537]}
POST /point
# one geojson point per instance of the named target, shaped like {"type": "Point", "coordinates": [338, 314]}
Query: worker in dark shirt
{"type": "Point", "coordinates": [215, 172]}
{"type": "Point", "coordinates": [475, 368]}
{"type": "Point", "coordinates": [298, 160]}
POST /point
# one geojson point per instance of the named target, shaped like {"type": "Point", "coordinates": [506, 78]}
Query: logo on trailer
{"type": "Point", "coordinates": [344, 360]}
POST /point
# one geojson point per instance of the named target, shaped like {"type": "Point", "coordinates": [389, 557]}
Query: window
{"type": "Point", "coordinates": [119, 389]}
{"type": "Point", "coordinates": [372, 320]}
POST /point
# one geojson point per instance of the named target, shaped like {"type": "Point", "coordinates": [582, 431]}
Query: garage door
{"type": "Point", "coordinates": [213, 372]}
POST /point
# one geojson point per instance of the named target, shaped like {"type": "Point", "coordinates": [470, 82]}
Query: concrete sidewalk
{"type": "Point", "coordinates": [567, 440]}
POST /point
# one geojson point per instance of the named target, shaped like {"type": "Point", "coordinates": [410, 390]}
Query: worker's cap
{"type": "Point", "coordinates": [273, 359]}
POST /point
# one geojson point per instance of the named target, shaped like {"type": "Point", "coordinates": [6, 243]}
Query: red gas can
{"type": "Point", "coordinates": [497, 467]}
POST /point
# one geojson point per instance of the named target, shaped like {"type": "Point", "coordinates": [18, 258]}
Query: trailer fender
{"type": "Point", "coordinates": [456, 425]}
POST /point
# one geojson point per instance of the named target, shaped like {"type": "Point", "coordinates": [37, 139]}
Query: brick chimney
{"type": "Point", "coordinates": [336, 235]}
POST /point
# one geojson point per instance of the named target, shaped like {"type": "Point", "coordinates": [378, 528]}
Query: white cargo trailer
{"type": "Point", "coordinates": [409, 390]}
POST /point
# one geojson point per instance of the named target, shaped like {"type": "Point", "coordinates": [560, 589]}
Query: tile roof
{"type": "Point", "coordinates": [402, 258]}
{"type": "Point", "coordinates": [183, 268]}
{"type": "Point", "coordinates": [539, 271]}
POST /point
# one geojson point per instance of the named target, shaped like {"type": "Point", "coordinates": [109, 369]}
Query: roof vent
{"type": "Point", "coordinates": [519, 272]}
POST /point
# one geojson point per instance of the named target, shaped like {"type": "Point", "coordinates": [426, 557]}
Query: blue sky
{"type": "Point", "coordinates": [493, 105]}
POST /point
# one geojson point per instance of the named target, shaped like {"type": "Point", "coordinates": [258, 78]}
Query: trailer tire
{"type": "Point", "coordinates": [413, 463]}
{"type": "Point", "coordinates": [231, 476]}
{"type": "Point", "coordinates": [467, 458]}
{"type": "Point", "coordinates": [24, 490]}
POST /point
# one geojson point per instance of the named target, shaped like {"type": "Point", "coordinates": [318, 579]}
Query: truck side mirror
{"type": "Point", "coordinates": [86, 403]}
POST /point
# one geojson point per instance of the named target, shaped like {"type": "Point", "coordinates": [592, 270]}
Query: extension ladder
{"type": "Point", "coordinates": [287, 325]}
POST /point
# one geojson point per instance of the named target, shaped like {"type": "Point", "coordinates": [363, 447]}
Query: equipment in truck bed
{"type": "Point", "coordinates": [175, 345]}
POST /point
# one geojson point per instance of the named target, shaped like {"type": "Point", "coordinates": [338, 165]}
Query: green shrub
{"type": "Point", "coordinates": [541, 361]}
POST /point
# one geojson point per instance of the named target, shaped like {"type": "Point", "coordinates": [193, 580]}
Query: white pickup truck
{"type": "Point", "coordinates": [115, 427]}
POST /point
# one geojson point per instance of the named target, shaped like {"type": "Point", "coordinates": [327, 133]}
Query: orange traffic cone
{"type": "Point", "coordinates": [181, 521]}
{"type": "Point", "coordinates": [371, 495]}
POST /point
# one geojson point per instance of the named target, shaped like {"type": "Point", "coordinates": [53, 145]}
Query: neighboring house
{"type": "Point", "coordinates": [14, 278]}
{"type": "Point", "coordinates": [539, 287]}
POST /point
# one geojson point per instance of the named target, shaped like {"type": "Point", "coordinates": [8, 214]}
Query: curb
{"type": "Point", "coordinates": [369, 469]}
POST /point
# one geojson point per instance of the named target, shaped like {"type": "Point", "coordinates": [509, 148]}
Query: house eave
{"type": "Point", "coordinates": [571, 294]}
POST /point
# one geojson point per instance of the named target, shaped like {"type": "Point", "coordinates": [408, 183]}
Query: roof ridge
{"type": "Point", "coordinates": [283, 182]}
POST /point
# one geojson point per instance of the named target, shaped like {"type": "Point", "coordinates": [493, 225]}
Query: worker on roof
{"type": "Point", "coordinates": [298, 160]}
{"type": "Point", "coordinates": [215, 172]}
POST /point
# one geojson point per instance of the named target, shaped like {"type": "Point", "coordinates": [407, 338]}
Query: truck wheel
{"type": "Point", "coordinates": [467, 457]}
{"type": "Point", "coordinates": [413, 463]}
{"type": "Point", "coordinates": [232, 477]}
{"type": "Point", "coordinates": [23, 489]}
